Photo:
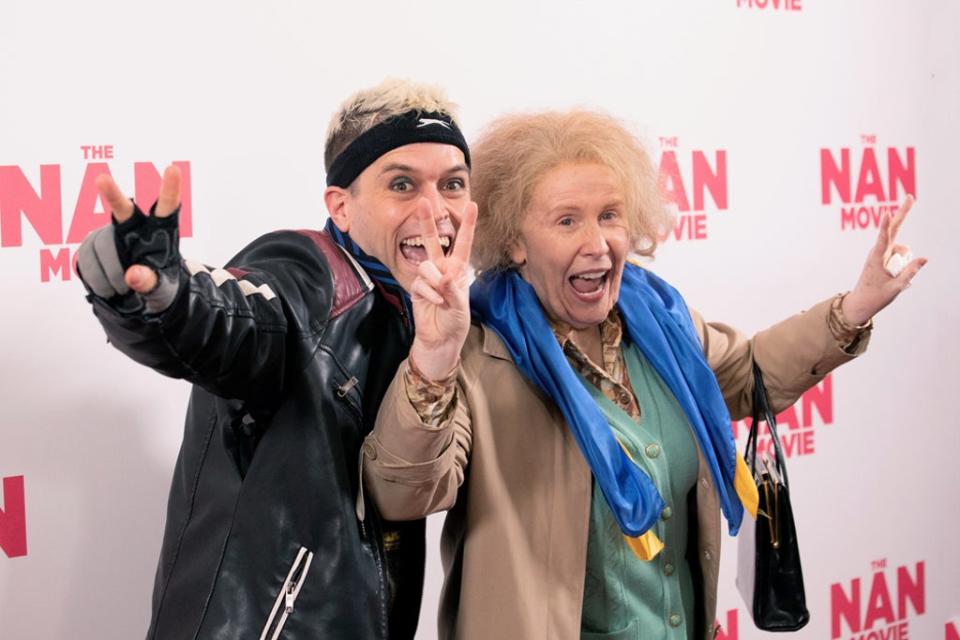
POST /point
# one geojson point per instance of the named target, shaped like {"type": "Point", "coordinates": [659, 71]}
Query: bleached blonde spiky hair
{"type": "Point", "coordinates": [367, 108]}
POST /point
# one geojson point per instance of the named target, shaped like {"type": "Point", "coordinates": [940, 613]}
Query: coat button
{"type": "Point", "coordinates": [668, 569]}
{"type": "Point", "coordinates": [703, 481]}
{"type": "Point", "coordinates": [666, 513]}
{"type": "Point", "coordinates": [706, 555]}
{"type": "Point", "coordinates": [652, 450]}
{"type": "Point", "coordinates": [675, 620]}
{"type": "Point", "coordinates": [370, 451]}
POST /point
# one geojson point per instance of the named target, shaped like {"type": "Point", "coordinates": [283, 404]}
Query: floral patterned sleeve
{"type": "Point", "coordinates": [433, 400]}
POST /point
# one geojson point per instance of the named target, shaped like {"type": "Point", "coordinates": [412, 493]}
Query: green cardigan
{"type": "Point", "coordinates": [625, 597]}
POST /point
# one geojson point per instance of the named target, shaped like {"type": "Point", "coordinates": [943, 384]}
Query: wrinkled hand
{"type": "Point", "coordinates": [441, 296]}
{"type": "Point", "coordinates": [876, 288]}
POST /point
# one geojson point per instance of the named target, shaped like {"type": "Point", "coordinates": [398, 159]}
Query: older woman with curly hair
{"type": "Point", "coordinates": [581, 440]}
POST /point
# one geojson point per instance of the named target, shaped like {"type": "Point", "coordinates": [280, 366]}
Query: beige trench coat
{"type": "Point", "coordinates": [518, 488]}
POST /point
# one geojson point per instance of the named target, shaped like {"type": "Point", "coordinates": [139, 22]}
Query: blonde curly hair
{"type": "Point", "coordinates": [515, 151]}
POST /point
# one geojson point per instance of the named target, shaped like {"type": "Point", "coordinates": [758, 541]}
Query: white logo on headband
{"type": "Point", "coordinates": [428, 121]}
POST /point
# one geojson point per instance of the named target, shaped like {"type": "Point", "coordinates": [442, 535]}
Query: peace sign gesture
{"type": "Point", "coordinates": [141, 278]}
{"type": "Point", "coordinates": [879, 283]}
{"type": "Point", "coordinates": [441, 295]}
{"type": "Point", "coordinates": [138, 252]}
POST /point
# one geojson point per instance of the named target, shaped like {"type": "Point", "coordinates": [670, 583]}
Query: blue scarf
{"type": "Point", "coordinates": [657, 320]}
{"type": "Point", "coordinates": [374, 268]}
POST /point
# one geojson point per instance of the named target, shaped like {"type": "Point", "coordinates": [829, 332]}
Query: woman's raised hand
{"type": "Point", "coordinates": [876, 287]}
{"type": "Point", "coordinates": [441, 295]}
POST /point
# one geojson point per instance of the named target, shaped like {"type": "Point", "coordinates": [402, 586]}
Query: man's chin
{"type": "Point", "coordinates": [405, 275]}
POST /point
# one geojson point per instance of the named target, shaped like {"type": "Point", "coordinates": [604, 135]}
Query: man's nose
{"type": "Point", "coordinates": [438, 204]}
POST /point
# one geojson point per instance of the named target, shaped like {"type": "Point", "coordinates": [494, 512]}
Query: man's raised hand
{"type": "Point", "coordinates": [441, 295]}
{"type": "Point", "coordinates": [137, 252]}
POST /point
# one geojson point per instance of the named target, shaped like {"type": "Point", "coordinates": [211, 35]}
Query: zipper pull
{"type": "Point", "coordinates": [289, 597]}
{"type": "Point", "coordinates": [344, 389]}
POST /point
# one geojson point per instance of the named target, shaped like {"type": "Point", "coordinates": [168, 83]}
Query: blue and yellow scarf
{"type": "Point", "coordinates": [658, 321]}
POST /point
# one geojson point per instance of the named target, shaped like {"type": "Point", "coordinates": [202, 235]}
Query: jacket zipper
{"type": "Point", "coordinates": [376, 542]}
{"type": "Point", "coordinates": [361, 505]}
{"type": "Point", "coordinates": [288, 595]}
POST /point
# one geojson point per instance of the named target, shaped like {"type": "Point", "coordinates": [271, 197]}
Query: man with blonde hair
{"type": "Point", "coordinates": [290, 348]}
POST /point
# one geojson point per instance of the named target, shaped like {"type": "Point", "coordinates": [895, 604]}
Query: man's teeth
{"type": "Point", "coordinates": [418, 242]}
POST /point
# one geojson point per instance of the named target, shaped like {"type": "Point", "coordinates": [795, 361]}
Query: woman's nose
{"type": "Point", "coordinates": [594, 242]}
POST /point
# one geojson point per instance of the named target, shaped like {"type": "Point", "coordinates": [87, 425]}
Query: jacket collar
{"type": "Point", "coordinates": [493, 345]}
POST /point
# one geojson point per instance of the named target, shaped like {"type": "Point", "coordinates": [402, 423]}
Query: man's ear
{"type": "Point", "coordinates": [337, 200]}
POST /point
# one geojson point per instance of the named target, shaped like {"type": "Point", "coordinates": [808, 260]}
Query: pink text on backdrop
{"type": "Point", "coordinates": [796, 430]}
{"type": "Point", "coordinates": [679, 175]}
{"type": "Point", "coordinates": [13, 518]}
{"type": "Point", "coordinates": [879, 611]}
{"type": "Point", "coordinates": [730, 630]}
{"type": "Point", "coordinates": [784, 5]}
{"type": "Point", "coordinates": [950, 632]}
{"type": "Point", "coordinates": [870, 181]}
{"type": "Point", "coordinates": [42, 206]}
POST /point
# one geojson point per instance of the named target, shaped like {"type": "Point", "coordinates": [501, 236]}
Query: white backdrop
{"type": "Point", "coordinates": [751, 92]}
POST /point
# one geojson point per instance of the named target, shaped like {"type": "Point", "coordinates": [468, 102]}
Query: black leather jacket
{"type": "Point", "coordinates": [290, 352]}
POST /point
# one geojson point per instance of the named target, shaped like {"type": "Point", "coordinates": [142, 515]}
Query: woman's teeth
{"type": "Point", "coordinates": [588, 282]}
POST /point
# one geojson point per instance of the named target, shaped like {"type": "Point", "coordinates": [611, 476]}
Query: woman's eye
{"type": "Point", "coordinates": [565, 222]}
{"type": "Point", "coordinates": [401, 185]}
{"type": "Point", "coordinates": [609, 215]}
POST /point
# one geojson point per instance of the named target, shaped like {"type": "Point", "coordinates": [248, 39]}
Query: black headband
{"type": "Point", "coordinates": [408, 128]}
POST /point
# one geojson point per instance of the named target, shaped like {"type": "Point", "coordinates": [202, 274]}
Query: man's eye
{"type": "Point", "coordinates": [455, 184]}
{"type": "Point", "coordinates": [401, 185]}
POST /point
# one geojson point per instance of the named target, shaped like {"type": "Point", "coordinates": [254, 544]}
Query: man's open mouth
{"type": "Point", "coordinates": [413, 248]}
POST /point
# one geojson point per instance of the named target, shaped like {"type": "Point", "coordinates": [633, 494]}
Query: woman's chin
{"type": "Point", "coordinates": [588, 309]}
{"type": "Point", "coordinates": [582, 316]}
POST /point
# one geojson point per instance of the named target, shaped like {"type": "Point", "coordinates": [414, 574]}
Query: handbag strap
{"type": "Point", "coordinates": [761, 408]}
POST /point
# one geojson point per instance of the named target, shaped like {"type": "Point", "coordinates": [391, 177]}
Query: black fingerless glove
{"type": "Point", "coordinates": [154, 242]}
{"type": "Point", "coordinates": [149, 240]}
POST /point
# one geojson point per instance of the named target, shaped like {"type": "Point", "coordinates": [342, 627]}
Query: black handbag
{"type": "Point", "coordinates": [768, 565]}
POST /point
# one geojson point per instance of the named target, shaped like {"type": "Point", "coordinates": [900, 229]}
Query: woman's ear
{"type": "Point", "coordinates": [518, 252]}
{"type": "Point", "coordinates": [337, 201]}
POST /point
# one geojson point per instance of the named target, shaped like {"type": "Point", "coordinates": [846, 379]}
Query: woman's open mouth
{"type": "Point", "coordinates": [589, 286]}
